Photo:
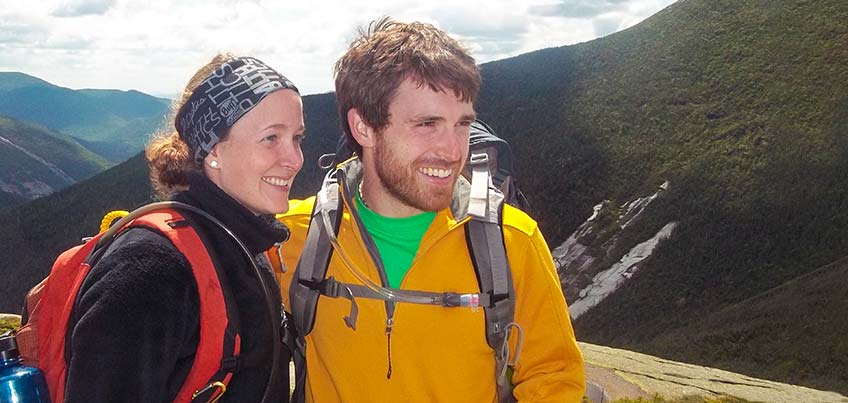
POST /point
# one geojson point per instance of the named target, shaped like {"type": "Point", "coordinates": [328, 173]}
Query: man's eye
{"type": "Point", "coordinates": [465, 123]}
{"type": "Point", "coordinates": [298, 138]}
{"type": "Point", "coordinates": [427, 123]}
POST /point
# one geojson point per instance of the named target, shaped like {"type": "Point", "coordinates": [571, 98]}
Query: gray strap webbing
{"type": "Point", "coordinates": [478, 203]}
{"type": "Point", "coordinates": [334, 289]}
{"type": "Point", "coordinates": [312, 266]}
{"type": "Point", "coordinates": [486, 243]}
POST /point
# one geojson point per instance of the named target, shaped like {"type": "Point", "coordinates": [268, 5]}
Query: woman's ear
{"type": "Point", "coordinates": [211, 159]}
{"type": "Point", "coordinates": [212, 166]}
{"type": "Point", "coordinates": [362, 133]}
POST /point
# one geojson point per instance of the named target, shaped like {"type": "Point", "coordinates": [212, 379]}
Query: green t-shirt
{"type": "Point", "coordinates": [397, 239]}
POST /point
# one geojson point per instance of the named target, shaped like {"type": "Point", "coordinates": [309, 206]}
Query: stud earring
{"type": "Point", "coordinates": [213, 164]}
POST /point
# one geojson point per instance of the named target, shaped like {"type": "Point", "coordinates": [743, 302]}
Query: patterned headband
{"type": "Point", "coordinates": [223, 98]}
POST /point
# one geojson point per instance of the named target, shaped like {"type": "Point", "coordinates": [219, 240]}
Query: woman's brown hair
{"type": "Point", "coordinates": [167, 155]}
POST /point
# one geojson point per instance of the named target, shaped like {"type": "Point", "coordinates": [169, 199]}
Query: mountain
{"type": "Point", "coordinates": [741, 106]}
{"type": "Point", "coordinates": [35, 161]}
{"type": "Point", "coordinates": [11, 80]}
{"type": "Point", "coordinates": [9, 199]}
{"type": "Point", "coordinates": [34, 234]}
{"type": "Point", "coordinates": [115, 124]}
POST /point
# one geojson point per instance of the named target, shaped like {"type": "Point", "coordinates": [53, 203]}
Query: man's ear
{"type": "Point", "coordinates": [362, 133]}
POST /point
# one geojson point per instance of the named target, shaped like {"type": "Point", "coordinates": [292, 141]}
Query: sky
{"type": "Point", "coordinates": [154, 46]}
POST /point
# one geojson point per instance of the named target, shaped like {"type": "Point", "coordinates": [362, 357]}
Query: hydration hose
{"type": "Point", "coordinates": [388, 293]}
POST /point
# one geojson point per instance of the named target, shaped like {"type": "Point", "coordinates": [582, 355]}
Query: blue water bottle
{"type": "Point", "coordinates": [19, 383]}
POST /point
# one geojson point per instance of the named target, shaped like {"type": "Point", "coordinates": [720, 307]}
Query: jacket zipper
{"type": "Point", "coordinates": [371, 247]}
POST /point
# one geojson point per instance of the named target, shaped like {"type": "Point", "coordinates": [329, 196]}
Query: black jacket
{"type": "Point", "coordinates": [134, 330]}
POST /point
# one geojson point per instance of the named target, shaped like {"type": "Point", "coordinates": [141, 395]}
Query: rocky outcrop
{"type": "Point", "coordinates": [588, 262]}
{"type": "Point", "coordinates": [620, 373]}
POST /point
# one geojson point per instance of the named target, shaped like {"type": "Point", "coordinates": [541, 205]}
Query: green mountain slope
{"type": "Point", "coordinates": [115, 124]}
{"type": "Point", "coordinates": [35, 161]}
{"type": "Point", "coordinates": [34, 234]}
{"type": "Point", "coordinates": [8, 200]}
{"type": "Point", "coordinates": [742, 106]}
{"type": "Point", "coordinates": [804, 311]}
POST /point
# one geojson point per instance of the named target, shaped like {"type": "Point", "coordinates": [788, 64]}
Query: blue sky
{"type": "Point", "coordinates": [154, 46]}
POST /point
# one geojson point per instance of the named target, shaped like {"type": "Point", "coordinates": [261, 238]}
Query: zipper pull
{"type": "Point", "coordinates": [389, 324]}
{"type": "Point", "coordinates": [279, 246]}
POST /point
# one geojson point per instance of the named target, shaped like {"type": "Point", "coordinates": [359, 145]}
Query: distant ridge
{"type": "Point", "coordinates": [115, 124]}
{"type": "Point", "coordinates": [11, 80]}
{"type": "Point", "coordinates": [35, 161]}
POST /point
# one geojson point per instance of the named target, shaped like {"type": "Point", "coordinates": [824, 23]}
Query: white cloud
{"type": "Point", "coordinates": [77, 8]}
{"type": "Point", "coordinates": [578, 8]}
{"type": "Point", "coordinates": [155, 46]}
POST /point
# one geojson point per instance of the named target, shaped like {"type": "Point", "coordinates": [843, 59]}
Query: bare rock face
{"type": "Point", "coordinates": [613, 374]}
{"type": "Point", "coordinates": [599, 256]}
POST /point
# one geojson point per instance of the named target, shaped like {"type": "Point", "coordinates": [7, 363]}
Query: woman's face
{"type": "Point", "coordinates": [257, 161]}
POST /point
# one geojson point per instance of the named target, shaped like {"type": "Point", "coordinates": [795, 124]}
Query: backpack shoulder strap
{"type": "Point", "coordinates": [484, 236]}
{"type": "Point", "coordinates": [315, 258]}
{"type": "Point", "coordinates": [219, 346]}
{"type": "Point", "coordinates": [310, 271]}
{"type": "Point", "coordinates": [214, 388]}
{"type": "Point", "coordinates": [219, 343]}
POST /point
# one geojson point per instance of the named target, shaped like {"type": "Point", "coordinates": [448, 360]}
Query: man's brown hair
{"type": "Point", "coordinates": [387, 53]}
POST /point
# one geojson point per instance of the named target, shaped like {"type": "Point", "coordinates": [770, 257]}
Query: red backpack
{"type": "Point", "coordinates": [49, 304]}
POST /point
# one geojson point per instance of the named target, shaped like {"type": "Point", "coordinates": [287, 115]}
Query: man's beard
{"type": "Point", "coordinates": [400, 181]}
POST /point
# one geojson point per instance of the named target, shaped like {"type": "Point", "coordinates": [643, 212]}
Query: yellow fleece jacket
{"type": "Point", "coordinates": [436, 354]}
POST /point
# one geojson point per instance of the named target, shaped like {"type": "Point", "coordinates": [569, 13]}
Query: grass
{"type": "Point", "coordinates": [8, 324]}
{"type": "Point", "coordinates": [685, 399]}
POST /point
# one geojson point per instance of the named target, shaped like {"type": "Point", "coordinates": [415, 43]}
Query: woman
{"type": "Point", "coordinates": [234, 154]}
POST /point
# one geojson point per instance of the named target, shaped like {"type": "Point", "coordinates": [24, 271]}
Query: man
{"type": "Point", "coordinates": [405, 95]}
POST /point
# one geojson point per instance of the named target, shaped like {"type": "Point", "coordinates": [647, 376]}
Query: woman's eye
{"type": "Point", "coordinates": [270, 138]}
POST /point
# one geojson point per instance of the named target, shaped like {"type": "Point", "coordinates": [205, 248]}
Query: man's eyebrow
{"type": "Point", "coordinates": [421, 118]}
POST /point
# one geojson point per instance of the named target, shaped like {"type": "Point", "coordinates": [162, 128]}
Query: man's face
{"type": "Point", "coordinates": [419, 155]}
